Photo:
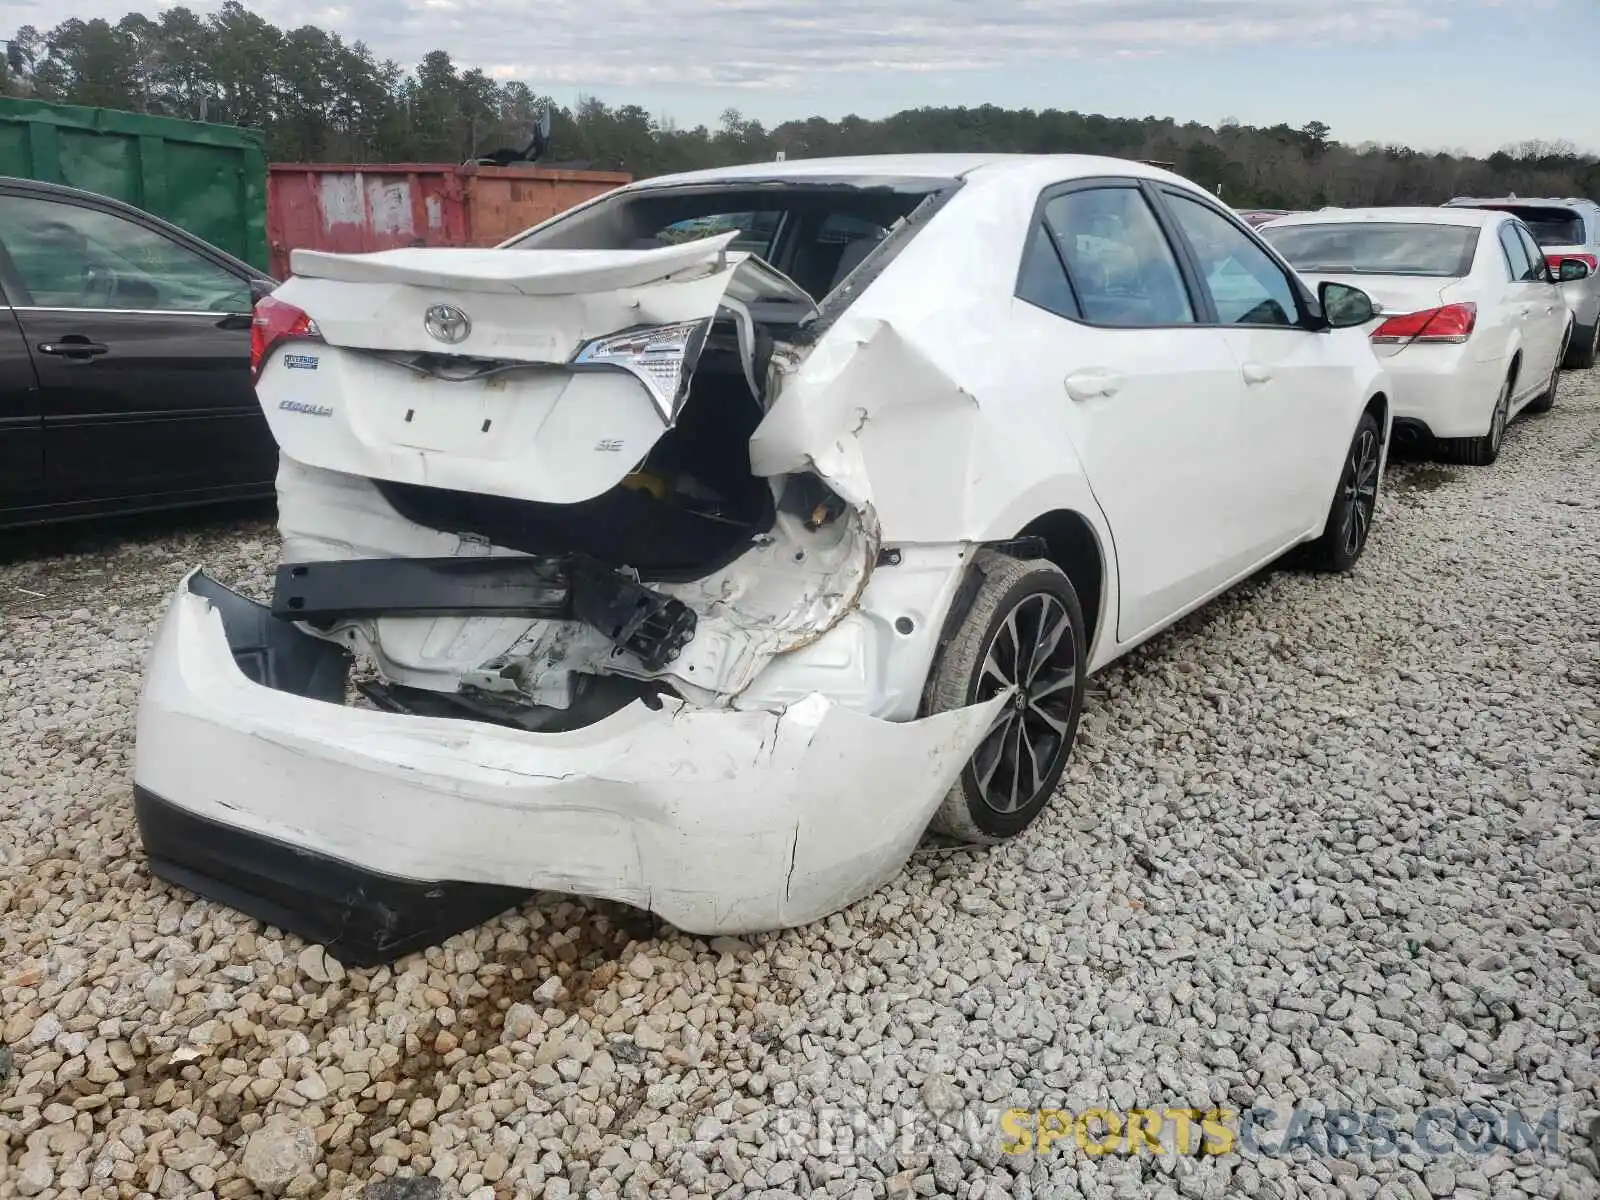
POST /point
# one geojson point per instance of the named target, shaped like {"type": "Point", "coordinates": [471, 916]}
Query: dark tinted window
{"type": "Point", "coordinates": [1374, 248]}
{"type": "Point", "coordinates": [1516, 253]}
{"type": "Point", "coordinates": [1044, 280]}
{"type": "Point", "coordinates": [1122, 267]}
{"type": "Point", "coordinates": [1246, 286]}
{"type": "Point", "coordinates": [68, 256]}
{"type": "Point", "coordinates": [1540, 269]}
{"type": "Point", "coordinates": [1551, 226]}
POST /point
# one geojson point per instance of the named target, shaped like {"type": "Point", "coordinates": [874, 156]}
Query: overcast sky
{"type": "Point", "coordinates": [1474, 74]}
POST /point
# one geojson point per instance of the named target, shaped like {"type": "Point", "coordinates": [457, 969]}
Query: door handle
{"type": "Point", "coordinates": [74, 345]}
{"type": "Point", "coordinates": [1256, 373]}
{"type": "Point", "coordinates": [1092, 382]}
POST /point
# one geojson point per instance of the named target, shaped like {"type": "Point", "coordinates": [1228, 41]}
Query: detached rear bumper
{"type": "Point", "coordinates": [375, 833]}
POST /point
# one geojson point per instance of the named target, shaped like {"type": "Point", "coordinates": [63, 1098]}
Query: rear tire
{"type": "Point", "coordinates": [1584, 349]}
{"type": "Point", "coordinates": [1354, 503]}
{"type": "Point", "coordinates": [1481, 451]}
{"type": "Point", "coordinates": [1023, 628]}
{"type": "Point", "coordinates": [1547, 398]}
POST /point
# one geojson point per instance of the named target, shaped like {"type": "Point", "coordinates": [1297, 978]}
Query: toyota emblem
{"type": "Point", "coordinates": [447, 323]}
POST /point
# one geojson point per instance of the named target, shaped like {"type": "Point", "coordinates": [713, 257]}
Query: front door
{"type": "Point", "coordinates": [1297, 382]}
{"type": "Point", "coordinates": [21, 428]}
{"type": "Point", "coordinates": [1548, 320]}
{"type": "Point", "coordinates": [141, 345]}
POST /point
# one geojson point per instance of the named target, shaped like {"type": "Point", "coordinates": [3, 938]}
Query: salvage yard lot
{"type": "Point", "coordinates": [1329, 839]}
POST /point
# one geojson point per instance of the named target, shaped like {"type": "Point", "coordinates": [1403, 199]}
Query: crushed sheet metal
{"type": "Point", "coordinates": [883, 424]}
{"type": "Point", "coordinates": [721, 822]}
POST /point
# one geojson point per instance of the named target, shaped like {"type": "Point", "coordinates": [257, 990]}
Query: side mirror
{"type": "Point", "coordinates": [1344, 306]}
{"type": "Point", "coordinates": [261, 288]}
{"type": "Point", "coordinates": [1572, 270]}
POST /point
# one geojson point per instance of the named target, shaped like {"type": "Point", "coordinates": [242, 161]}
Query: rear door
{"type": "Point", "coordinates": [1148, 396]}
{"type": "Point", "coordinates": [141, 344]}
{"type": "Point", "coordinates": [1526, 297]}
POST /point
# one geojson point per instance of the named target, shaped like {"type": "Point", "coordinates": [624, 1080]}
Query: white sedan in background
{"type": "Point", "coordinates": [1472, 324]}
{"type": "Point", "coordinates": [707, 542]}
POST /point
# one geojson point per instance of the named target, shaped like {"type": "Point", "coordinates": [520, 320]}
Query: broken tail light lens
{"type": "Point", "coordinates": [1452, 323]}
{"type": "Point", "coordinates": [276, 321]}
{"type": "Point", "coordinates": [662, 357]}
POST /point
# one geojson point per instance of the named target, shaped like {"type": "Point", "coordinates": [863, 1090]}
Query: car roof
{"type": "Point", "coordinates": [1440, 215]}
{"type": "Point", "coordinates": [909, 167]}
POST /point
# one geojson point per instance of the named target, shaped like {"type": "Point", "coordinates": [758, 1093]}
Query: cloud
{"type": "Point", "coordinates": [801, 43]}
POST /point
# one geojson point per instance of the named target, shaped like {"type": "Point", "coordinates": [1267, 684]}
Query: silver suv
{"type": "Point", "coordinates": [1564, 229]}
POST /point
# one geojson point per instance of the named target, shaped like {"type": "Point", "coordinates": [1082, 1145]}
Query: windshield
{"type": "Point", "coordinates": [1374, 248]}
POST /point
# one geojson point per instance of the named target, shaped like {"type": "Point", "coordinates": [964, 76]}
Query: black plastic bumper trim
{"type": "Point", "coordinates": [652, 626]}
{"type": "Point", "coordinates": [363, 918]}
{"type": "Point", "coordinates": [369, 587]}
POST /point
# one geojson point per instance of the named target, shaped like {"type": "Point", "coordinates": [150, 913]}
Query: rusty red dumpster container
{"type": "Point", "coordinates": [350, 208]}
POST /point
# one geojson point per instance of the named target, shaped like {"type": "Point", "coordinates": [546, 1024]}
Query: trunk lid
{"type": "Point", "coordinates": [501, 372]}
{"type": "Point", "coordinates": [530, 305]}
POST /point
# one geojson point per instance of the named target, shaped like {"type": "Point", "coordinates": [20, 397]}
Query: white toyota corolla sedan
{"type": "Point", "coordinates": [700, 547]}
{"type": "Point", "coordinates": [1473, 325]}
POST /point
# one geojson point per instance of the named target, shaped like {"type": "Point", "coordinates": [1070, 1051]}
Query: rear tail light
{"type": "Point", "coordinates": [1554, 261]}
{"type": "Point", "coordinates": [662, 357]}
{"type": "Point", "coordinates": [1452, 323]}
{"type": "Point", "coordinates": [277, 321]}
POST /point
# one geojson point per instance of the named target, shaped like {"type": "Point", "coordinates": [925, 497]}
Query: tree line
{"type": "Point", "coordinates": [319, 98]}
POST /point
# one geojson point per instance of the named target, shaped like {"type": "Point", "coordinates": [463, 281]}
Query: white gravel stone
{"type": "Point", "coordinates": [278, 1153]}
{"type": "Point", "coordinates": [1333, 841]}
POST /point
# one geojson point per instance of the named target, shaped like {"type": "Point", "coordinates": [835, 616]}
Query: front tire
{"type": "Point", "coordinates": [1481, 451]}
{"type": "Point", "coordinates": [1022, 630]}
{"type": "Point", "coordinates": [1354, 502]}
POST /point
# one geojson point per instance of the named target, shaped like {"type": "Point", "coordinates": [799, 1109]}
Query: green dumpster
{"type": "Point", "coordinates": [208, 179]}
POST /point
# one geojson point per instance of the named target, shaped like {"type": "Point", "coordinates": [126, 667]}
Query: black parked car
{"type": "Point", "coordinates": [124, 362]}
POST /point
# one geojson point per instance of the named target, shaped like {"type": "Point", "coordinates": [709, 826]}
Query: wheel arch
{"type": "Point", "coordinates": [1378, 405]}
{"type": "Point", "coordinates": [1073, 544]}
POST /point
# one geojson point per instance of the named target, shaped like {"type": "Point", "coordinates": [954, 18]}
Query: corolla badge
{"type": "Point", "coordinates": [310, 410]}
{"type": "Point", "coordinates": [447, 323]}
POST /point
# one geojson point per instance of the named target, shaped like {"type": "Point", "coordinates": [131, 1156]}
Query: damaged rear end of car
{"type": "Point", "coordinates": [538, 616]}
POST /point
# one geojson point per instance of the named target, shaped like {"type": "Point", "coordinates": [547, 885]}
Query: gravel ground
{"type": "Point", "coordinates": [1331, 843]}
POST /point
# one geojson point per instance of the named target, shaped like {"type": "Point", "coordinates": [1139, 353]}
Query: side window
{"type": "Point", "coordinates": [1516, 254]}
{"type": "Point", "coordinates": [1246, 285]}
{"type": "Point", "coordinates": [73, 257]}
{"type": "Point", "coordinates": [1540, 270]}
{"type": "Point", "coordinates": [1122, 268]}
{"type": "Point", "coordinates": [1043, 279]}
